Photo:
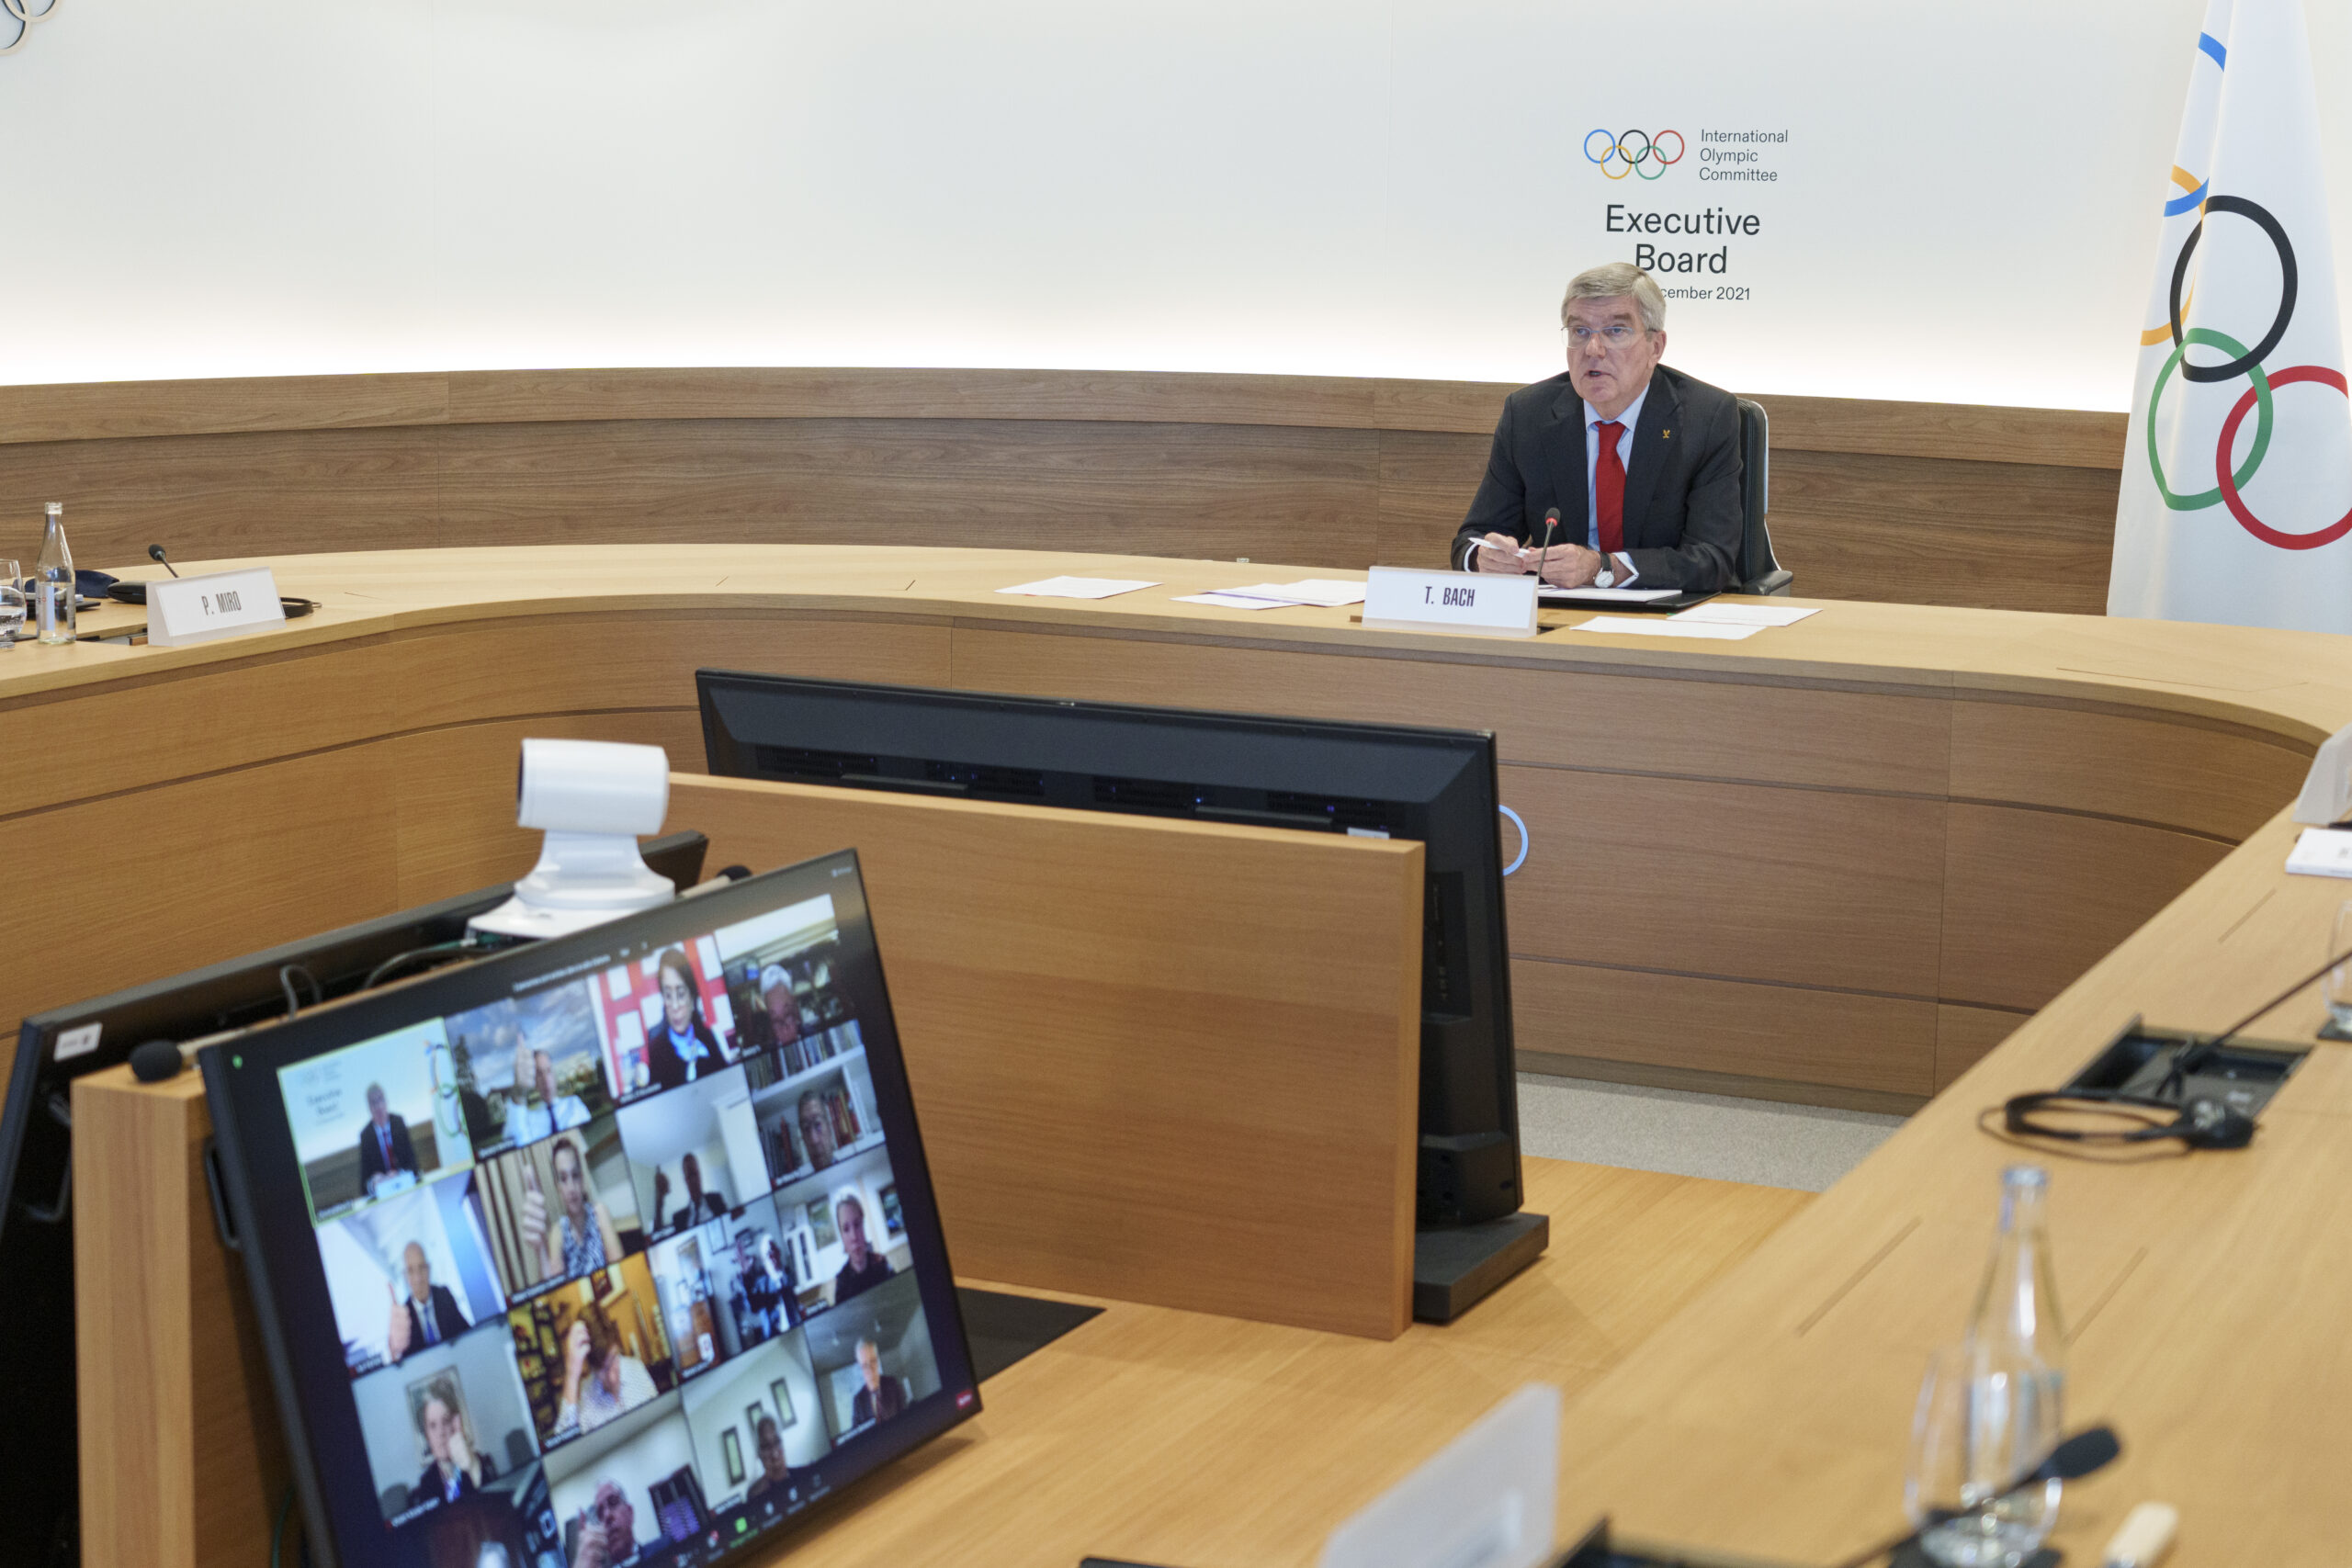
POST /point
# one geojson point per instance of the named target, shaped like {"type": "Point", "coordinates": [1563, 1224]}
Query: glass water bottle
{"type": "Point", "coordinates": [53, 581]}
{"type": "Point", "coordinates": [2014, 1360]}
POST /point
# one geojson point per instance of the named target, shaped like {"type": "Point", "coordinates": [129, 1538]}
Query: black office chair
{"type": "Point", "coordinates": [1758, 571]}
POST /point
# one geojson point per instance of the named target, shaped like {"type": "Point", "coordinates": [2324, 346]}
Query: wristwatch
{"type": "Point", "coordinates": [1607, 575]}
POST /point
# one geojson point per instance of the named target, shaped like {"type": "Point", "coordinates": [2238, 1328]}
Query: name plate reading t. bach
{"type": "Point", "coordinates": [184, 610]}
{"type": "Point", "coordinates": [1483, 603]}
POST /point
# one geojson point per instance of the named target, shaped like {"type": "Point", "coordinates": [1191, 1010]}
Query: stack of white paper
{"type": "Point", "coordinates": [1329, 592]}
{"type": "Point", "coordinates": [1734, 614]}
{"type": "Point", "coordinates": [1667, 625]}
{"type": "Point", "coordinates": [1078, 587]}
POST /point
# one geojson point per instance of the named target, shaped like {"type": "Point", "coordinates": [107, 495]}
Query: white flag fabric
{"type": "Point", "coordinates": [2236, 503]}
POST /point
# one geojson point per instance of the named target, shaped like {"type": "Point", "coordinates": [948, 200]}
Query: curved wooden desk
{"type": "Point", "coordinates": [1846, 854]}
{"type": "Point", "coordinates": [1837, 862]}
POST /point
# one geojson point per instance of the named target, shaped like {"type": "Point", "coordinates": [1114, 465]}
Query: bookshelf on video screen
{"type": "Point", "coordinates": [618, 1258]}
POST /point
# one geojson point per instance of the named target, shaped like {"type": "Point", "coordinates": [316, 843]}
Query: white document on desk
{"type": "Point", "coordinates": [1671, 625]}
{"type": "Point", "coordinates": [2321, 851]}
{"type": "Point", "coordinates": [1224, 600]}
{"type": "Point", "coordinates": [1606, 595]}
{"type": "Point", "coordinates": [1735, 615]}
{"type": "Point", "coordinates": [1078, 587]}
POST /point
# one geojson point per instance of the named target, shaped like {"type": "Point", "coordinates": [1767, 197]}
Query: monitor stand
{"type": "Point", "coordinates": [1455, 1267]}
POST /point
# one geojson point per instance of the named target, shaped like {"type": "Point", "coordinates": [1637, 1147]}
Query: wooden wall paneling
{"type": "Point", "coordinates": [1944, 531]}
{"type": "Point", "coordinates": [1559, 716]}
{"type": "Point", "coordinates": [182, 1458]}
{"type": "Point", "coordinates": [226, 864]}
{"type": "Point", "coordinates": [1165, 489]}
{"type": "Point", "coordinates": [2033, 898]}
{"type": "Point", "coordinates": [1111, 1024]}
{"type": "Point", "coordinates": [596, 660]}
{"type": "Point", "coordinates": [1733, 881]}
{"type": "Point", "coordinates": [2073, 439]}
{"type": "Point", "coordinates": [95, 410]}
{"type": "Point", "coordinates": [273, 492]}
{"type": "Point", "coordinates": [1790, 1034]}
{"type": "Point", "coordinates": [499, 397]}
{"type": "Point", "coordinates": [2178, 773]}
{"type": "Point", "coordinates": [193, 721]}
{"type": "Point", "coordinates": [1966, 1036]}
{"type": "Point", "coordinates": [1426, 481]}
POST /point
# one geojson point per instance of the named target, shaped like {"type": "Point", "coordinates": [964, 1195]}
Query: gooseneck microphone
{"type": "Point", "coordinates": [2093, 1449]}
{"type": "Point", "coordinates": [1550, 521]}
{"type": "Point", "coordinates": [155, 554]}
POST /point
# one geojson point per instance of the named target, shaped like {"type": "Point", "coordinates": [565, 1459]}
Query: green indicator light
{"type": "Point", "coordinates": [742, 1526]}
{"type": "Point", "coordinates": [237, 1061]}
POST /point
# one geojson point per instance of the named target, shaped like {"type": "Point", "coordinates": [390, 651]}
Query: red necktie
{"type": "Point", "coordinates": [1608, 489]}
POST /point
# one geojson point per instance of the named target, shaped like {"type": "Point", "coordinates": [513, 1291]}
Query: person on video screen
{"type": "Point", "coordinates": [682, 1048]}
{"type": "Point", "coordinates": [607, 1536]}
{"type": "Point", "coordinates": [601, 1380]}
{"type": "Point", "coordinates": [882, 1397]}
{"type": "Point", "coordinates": [385, 1151]}
{"type": "Point", "coordinates": [701, 1204]}
{"type": "Point", "coordinates": [775, 1472]}
{"type": "Point", "coordinates": [817, 1129]}
{"type": "Point", "coordinates": [527, 1122]}
{"type": "Point", "coordinates": [456, 1469]}
{"type": "Point", "coordinates": [784, 1013]}
{"type": "Point", "coordinates": [865, 1267]}
{"type": "Point", "coordinates": [583, 1236]}
{"type": "Point", "coordinates": [429, 1313]}
{"type": "Point", "coordinates": [770, 1303]}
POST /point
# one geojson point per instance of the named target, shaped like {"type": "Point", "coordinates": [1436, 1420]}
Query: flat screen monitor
{"type": "Point", "coordinates": [684, 1294]}
{"type": "Point", "coordinates": [1384, 780]}
{"type": "Point", "coordinates": [60, 1044]}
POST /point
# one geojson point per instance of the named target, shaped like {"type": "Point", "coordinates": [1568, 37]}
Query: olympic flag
{"type": "Point", "coordinates": [2237, 475]}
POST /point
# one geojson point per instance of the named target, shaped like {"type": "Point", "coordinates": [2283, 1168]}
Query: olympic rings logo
{"type": "Point", "coordinates": [2242, 361]}
{"type": "Point", "coordinates": [17, 19]}
{"type": "Point", "coordinates": [1617, 158]}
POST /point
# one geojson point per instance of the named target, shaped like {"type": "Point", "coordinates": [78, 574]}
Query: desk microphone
{"type": "Point", "coordinates": [155, 554]}
{"type": "Point", "coordinates": [1550, 521]}
{"type": "Point", "coordinates": [2092, 1449]}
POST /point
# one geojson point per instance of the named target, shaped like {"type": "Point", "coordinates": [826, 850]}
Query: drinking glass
{"type": "Point", "coordinates": [12, 603]}
{"type": "Point", "coordinates": [2339, 979]}
{"type": "Point", "coordinates": [1986, 1415]}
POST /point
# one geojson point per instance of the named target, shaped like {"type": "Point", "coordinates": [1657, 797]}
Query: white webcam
{"type": "Point", "coordinates": [593, 799]}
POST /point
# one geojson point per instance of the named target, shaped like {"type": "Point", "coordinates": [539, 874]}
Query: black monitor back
{"type": "Point", "coordinates": [1396, 781]}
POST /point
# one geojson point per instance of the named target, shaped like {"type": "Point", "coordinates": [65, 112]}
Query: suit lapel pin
{"type": "Point", "coordinates": [1665, 434]}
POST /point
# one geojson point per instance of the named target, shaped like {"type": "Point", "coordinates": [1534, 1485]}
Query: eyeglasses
{"type": "Point", "coordinates": [1617, 334]}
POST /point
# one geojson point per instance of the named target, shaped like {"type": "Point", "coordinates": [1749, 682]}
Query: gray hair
{"type": "Point", "coordinates": [1614, 280]}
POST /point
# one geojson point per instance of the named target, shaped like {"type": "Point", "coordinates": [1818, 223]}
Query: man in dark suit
{"type": "Point", "coordinates": [881, 1397]}
{"type": "Point", "coordinates": [429, 1316]}
{"type": "Point", "coordinates": [384, 1146]}
{"type": "Point", "coordinates": [1641, 462]}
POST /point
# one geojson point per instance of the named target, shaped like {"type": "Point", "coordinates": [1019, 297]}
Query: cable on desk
{"type": "Point", "coordinates": [400, 961]}
{"type": "Point", "coordinates": [286, 983]}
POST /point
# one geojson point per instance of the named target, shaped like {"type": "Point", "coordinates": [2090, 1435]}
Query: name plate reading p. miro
{"type": "Point", "coordinates": [184, 610]}
{"type": "Point", "coordinates": [1482, 604]}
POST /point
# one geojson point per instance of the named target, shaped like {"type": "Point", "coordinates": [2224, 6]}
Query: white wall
{"type": "Point", "coordinates": [1968, 209]}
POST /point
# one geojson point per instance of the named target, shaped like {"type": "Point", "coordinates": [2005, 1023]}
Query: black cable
{"type": "Point", "coordinates": [286, 982]}
{"type": "Point", "coordinates": [2186, 1062]}
{"type": "Point", "coordinates": [398, 962]}
{"type": "Point", "coordinates": [2134, 1154]}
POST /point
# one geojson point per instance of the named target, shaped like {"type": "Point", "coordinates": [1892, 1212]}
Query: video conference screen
{"type": "Point", "coordinates": [610, 1251]}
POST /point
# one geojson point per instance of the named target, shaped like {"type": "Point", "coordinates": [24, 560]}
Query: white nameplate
{"type": "Point", "coordinates": [183, 610]}
{"type": "Point", "coordinates": [1483, 603]}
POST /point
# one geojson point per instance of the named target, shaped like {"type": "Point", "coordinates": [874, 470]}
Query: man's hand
{"type": "Point", "coordinates": [1568, 566]}
{"type": "Point", "coordinates": [1499, 552]}
{"type": "Point", "coordinates": [575, 1361]}
{"type": "Point", "coordinates": [396, 1335]}
{"type": "Point", "coordinates": [594, 1552]}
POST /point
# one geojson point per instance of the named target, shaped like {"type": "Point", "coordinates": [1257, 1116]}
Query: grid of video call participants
{"type": "Point", "coordinates": [615, 1259]}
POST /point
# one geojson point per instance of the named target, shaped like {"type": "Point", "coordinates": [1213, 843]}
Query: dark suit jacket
{"type": "Point", "coordinates": [448, 1320]}
{"type": "Point", "coordinates": [661, 1063]}
{"type": "Point", "coordinates": [878, 1405]}
{"type": "Point", "coordinates": [428, 1484]}
{"type": "Point", "coordinates": [1684, 518]}
{"type": "Point", "coordinates": [371, 1157]}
